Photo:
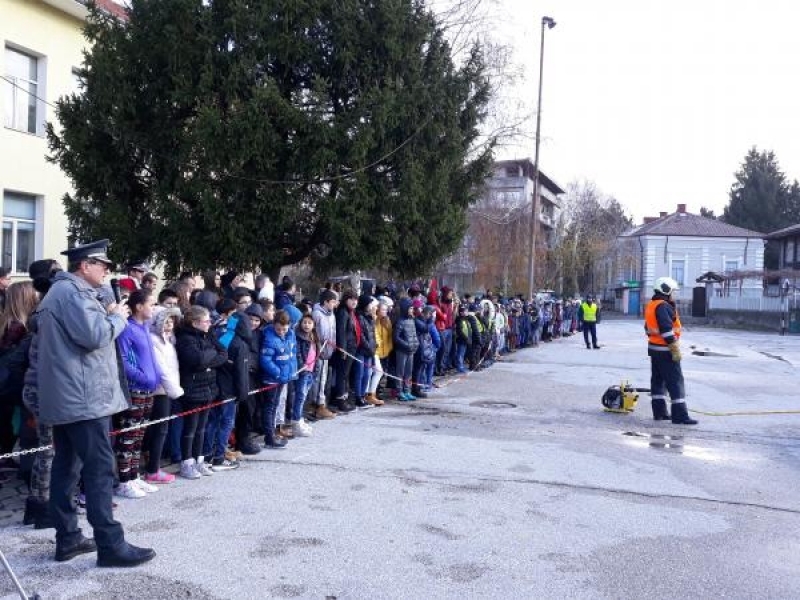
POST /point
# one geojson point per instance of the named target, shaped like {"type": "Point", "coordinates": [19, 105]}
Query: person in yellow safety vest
{"type": "Point", "coordinates": [663, 329]}
{"type": "Point", "coordinates": [589, 314]}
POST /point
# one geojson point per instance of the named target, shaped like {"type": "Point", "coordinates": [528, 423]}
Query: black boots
{"type": "Point", "coordinates": [660, 411]}
{"type": "Point", "coordinates": [418, 392]}
{"type": "Point", "coordinates": [37, 513]}
{"type": "Point", "coordinates": [680, 414]}
{"type": "Point", "coordinates": [127, 555]}
{"type": "Point", "coordinates": [83, 546]}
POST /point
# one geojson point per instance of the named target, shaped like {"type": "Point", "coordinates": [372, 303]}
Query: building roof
{"type": "Point", "coordinates": [785, 232]}
{"type": "Point", "coordinates": [110, 7]}
{"type": "Point", "coordinates": [689, 225]}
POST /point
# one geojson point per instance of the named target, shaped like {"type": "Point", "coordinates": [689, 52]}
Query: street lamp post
{"type": "Point", "coordinates": [548, 23]}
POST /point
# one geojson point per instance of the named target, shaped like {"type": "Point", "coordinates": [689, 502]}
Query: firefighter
{"type": "Point", "coordinates": [663, 329]}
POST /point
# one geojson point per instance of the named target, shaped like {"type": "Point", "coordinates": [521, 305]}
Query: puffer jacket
{"type": "Point", "coordinates": [325, 324]}
{"type": "Point", "coordinates": [77, 371]}
{"type": "Point", "coordinates": [368, 342]}
{"type": "Point", "coordinates": [138, 357]}
{"type": "Point", "coordinates": [166, 356]}
{"type": "Point", "coordinates": [384, 342]}
{"type": "Point", "coordinates": [278, 356]}
{"type": "Point", "coordinates": [199, 355]}
{"type": "Point", "coordinates": [233, 378]}
{"type": "Point", "coordinates": [346, 330]}
{"type": "Point", "coordinates": [405, 330]}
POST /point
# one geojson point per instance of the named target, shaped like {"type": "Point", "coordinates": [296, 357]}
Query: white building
{"type": "Point", "coordinates": [683, 246]}
{"type": "Point", "coordinates": [42, 46]}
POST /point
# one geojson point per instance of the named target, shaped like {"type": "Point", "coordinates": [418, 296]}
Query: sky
{"type": "Point", "coordinates": [658, 102]}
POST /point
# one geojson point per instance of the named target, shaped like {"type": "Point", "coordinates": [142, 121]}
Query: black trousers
{"type": "Point", "coordinates": [83, 450]}
{"type": "Point", "coordinates": [666, 376]}
{"type": "Point", "coordinates": [342, 366]}
{"type": "Point", "coordinates": [155, 435]}
{"type": "Point", "coordinates": [590, 328]}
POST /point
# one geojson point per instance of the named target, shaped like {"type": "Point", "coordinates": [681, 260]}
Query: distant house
{"type": "Point", "coordinates": [788, 242]}
{"type": "Point", "coordinates": [683, 246]}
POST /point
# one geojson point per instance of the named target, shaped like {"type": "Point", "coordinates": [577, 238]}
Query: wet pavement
{"type": "Point", "coordinates": [508, 483]}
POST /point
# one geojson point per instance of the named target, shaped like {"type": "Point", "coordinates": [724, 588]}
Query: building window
{"type": "Point", "coordinates": [678, 268]}
{"type": "Point", "coordinates": [788, 257]}
{"type": "Point", "coordinates": [22, 88]}
{"type": "Point", "coordinates": [731, 266]}
{"type": "Point", "coordinates": [19, 231]}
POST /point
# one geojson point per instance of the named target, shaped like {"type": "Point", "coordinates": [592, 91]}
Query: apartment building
{"type": "Point", "coordinates": [42, 45]}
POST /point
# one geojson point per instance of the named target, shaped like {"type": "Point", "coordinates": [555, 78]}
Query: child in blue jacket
{"type": "Point", "coordinates": [278, 366]}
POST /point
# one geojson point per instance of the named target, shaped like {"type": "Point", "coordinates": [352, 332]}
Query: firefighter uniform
{"type": "Point", "coordinates": [663, 330]}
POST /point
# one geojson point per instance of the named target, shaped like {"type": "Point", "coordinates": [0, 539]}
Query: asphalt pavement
{"type": "Point", "coordinates": [511, 482]}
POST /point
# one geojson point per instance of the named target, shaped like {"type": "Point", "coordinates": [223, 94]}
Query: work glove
{"type": "Point", "coordinates": [675, 350]}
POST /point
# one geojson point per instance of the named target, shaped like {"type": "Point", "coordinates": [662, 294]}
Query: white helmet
{"type": "Point", "coordinates": [665, 285]}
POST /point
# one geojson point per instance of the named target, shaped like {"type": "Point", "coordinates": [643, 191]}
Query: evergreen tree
{"type": "Point", "coordinates": [246, 134]}
{"type": "Point", "coordinates": [707, 213]}
{"type": "Point", "coordinates": [761, 199]}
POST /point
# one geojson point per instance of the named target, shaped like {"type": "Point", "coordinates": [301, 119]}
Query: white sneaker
{"type": "Point", "coordinates": [144, 486]}
{"type": "Point", "coordinates": [129, 490]}
{"type": "Point", "coordinates": [302, 429]}
{"type": "Point", "coordinates": [188, 471]}
{"type": "Point", "coordinates": [201, 467]}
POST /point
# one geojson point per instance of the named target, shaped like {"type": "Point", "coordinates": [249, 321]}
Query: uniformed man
{"type": "Point", "coordinates": [588, 314]}
{"type": "Point", "coordinates": [79, 389]}
{"type": "Point", "coordinates": [663, 328]}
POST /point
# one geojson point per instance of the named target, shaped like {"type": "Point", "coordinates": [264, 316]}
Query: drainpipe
{"type": "Point", "coordinates": [641, 278]}
{"type": "Point", "coordinates": [746, 244]}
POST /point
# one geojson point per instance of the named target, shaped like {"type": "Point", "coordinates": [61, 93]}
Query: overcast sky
{"type": "Point", "coordinates": [658, 102]}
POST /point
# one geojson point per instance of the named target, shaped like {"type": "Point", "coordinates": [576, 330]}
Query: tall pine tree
{"type": "Point", "coordinates": [761, 198]}
{"type": "Point", "coordinates": [245, 134]}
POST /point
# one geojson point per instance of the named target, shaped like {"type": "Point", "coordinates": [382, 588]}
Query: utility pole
{"type": "Point", "coordinates": [549, 23]}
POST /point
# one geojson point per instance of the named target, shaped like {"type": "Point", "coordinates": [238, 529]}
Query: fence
{"type": "Point", "coordinates": [750, 304]}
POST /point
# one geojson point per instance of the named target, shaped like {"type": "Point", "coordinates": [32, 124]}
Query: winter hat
{"type": "Point", "coordinates": [417, 303]}
{"type": "Point", "coordinates": [386, 301]}
{"type": "Point", "coordinates": [364, 301]}
{"type": "Point", "coordinates": [255, 310]}
{"type": "Point", "coordinates": [429, 309]}
{"type": "Point", "coordinates": [462, 309]}
{"type": "Point", "coordinates": [42, 271]}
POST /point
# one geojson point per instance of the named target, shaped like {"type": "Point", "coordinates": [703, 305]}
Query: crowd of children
{"type": "Point", "coordinates": [281, 362]}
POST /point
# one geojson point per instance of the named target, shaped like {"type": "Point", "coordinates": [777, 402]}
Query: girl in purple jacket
{"type": "Point", "coordinates": [144, 377]}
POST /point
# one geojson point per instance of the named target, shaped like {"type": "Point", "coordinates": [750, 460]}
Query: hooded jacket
{"type": "Point", "coordinates": [78, 374]}
{"type": "Point", "coordinates": [165, 354]}
{"type": "Point", "coordinates": [368, 343]}
{"type": "Point", "coordinates": [233, 378]}
{"type": "Point", "coordinates": [346, 329]}
{"type": "Point", "coordinates": [405, 330]}
{"type": "Point", "coordinates": [278, 356]}
{"type": "Point", "coordinates": [325, 324]}
{"type": "Point", "coordinates": [199, 355]}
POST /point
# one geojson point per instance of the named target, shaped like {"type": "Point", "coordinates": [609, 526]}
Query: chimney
{"type": "Point", "coordinates": [661, 215]}
{"type": "Point", "coordinates": [649, 220]}
{"type": "Point", "coordinates": [681, 208]}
